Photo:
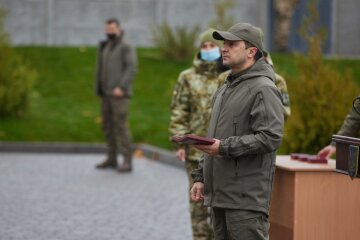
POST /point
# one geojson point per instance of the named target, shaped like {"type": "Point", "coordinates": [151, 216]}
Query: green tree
{"type": "Point", "coordinates": [321, 95]}
{"type": "Point", "coordinates": [16, 78]}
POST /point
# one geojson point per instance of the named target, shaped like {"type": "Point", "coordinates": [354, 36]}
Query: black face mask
{"type": "Point", "coordinates": [111, 36]}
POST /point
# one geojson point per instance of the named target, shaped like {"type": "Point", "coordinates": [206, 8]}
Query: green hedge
{"type": "Point", "coordinates": [66, 109]}
{"type": "Point", "coordinates": [321, 94]}
{"type": "Point", "coordinates": [16, 78]}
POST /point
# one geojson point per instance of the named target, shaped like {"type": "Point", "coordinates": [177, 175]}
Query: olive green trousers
{"type": "Point", "coordinates": [115, 126]}
{"type": "Point", "coordinates": [235, 224]}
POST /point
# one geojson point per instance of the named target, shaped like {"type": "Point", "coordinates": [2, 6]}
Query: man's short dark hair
{"type": "Point", "coordinates": [258, 54]}
{"type": "Point", "coordinates": [113, 20]}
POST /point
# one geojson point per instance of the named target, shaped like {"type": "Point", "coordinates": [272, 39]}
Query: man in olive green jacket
{"type": "Point", "coordinates": [115, 72]}
{"type": "Point", "coordinates": [235, 174]}
{"type": "Point", "coordinates": [350, 128]}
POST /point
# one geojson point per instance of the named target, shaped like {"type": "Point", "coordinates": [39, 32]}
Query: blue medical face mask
{"type": "Point", "coordinates": [210, 55]}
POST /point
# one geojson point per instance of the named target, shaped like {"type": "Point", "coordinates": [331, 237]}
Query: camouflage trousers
{"type": "Point", "coordinates": [200, 215]}
{"type": "Point", "coordinates": [115, 127]}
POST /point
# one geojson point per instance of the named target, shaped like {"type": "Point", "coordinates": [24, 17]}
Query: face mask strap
{"type": "Point", "coordinates": [354, 103]}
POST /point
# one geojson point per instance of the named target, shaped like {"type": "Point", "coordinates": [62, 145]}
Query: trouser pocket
{"type": "Point", "coordinates": [247, 225]}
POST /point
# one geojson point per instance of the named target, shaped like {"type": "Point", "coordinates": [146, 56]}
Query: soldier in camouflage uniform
{"type": "Point", "coordinates": [281, 85]}
{"type": "Point", "coordinates": [190, 114]}
{"type": "Point", "coordinates": [350, 128]}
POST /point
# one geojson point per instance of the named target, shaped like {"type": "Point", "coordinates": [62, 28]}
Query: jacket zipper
{"type": "Point", "coordinates": [212, 162]}
{"type": "Point", "coordinates": [236, 167]}
{"type": "Point", "coordinates": [221, 104]}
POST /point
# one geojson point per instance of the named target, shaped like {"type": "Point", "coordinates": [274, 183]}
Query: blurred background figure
{"type": "Point", "coordinates": [284, 11]}
{"type": "Point", "coordinates": [190, 114]}
{"type": "Point", "coordinates": [282, 86]}
{"type": "Point", "coordinates": [115, 72]}
{"type": "Point", "coordinates": [350, 128]}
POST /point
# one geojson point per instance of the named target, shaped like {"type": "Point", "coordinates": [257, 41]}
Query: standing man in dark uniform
{"type": "Point", "coordinates": [115, 72]}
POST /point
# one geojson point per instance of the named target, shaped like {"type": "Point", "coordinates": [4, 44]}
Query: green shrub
{"type": "Point", "coordinates": [320, 95]}
{"type": "Point", "coordinates": [176, 43]}
{"type": "Point", "coordinates": [16, 78]}
{"type": "Point", "coordinates": [223, 20]}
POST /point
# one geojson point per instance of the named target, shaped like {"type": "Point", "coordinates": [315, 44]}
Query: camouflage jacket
{"type": "Point", "coordinates": [191, 102]}
{"type": "Point", "coordinates": [281, 86]}
{"type": "Point", "coordinates": [351, 124]}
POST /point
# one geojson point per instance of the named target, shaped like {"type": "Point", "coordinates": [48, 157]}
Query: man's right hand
{"type": "Point", "coordinates": [327, 152]}
{"type": "Point", "coordinates": [117, 92]}
{"type": "Point", "coordinates": [197, 192]}
{"type": "Point", "coordinates": [180, 153]}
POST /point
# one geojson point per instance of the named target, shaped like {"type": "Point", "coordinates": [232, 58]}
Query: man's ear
{"type": "Point", "coordinates": [252, 52]}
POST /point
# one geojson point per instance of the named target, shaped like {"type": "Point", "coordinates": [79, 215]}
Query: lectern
{"type": "Point", "coordinates": [311, 201]}
{"type": "Point", "coordinates": [347, 155]}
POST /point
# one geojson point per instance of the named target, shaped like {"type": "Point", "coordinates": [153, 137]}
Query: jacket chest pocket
{"type": "Point", "coordinates": [236, 125]}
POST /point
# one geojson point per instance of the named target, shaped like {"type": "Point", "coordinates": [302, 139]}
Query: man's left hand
{"type": "Point", "coordinates": [212, 150]}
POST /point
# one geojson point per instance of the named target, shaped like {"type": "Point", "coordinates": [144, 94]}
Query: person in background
{"type": "Point", "coordinates": [350, 128]}
{"type": "Point", "coordinates": [190, 114]}
{"type": "Point", "coordinates": [115, 72]}
{"type": "Point", "coordinates": [282, 86]}
{"type": "Point", "coordinates": [284, 10]}
{"type": "Point", "coordinates": [235, 174]}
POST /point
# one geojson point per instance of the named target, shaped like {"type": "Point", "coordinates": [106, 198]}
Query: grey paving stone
{"type": "Point", "coordinates": [63, 197]}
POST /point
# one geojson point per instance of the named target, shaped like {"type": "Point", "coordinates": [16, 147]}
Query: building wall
{"type": "Point", "coordinates": [346, 28]}
{"type": "Point", "coordinates": [78, 22]}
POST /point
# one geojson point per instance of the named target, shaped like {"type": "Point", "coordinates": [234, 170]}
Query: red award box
{"type": "Point", "coordinates": [193, 139]}
{"type": "Point", "coordinates": [308, 158]}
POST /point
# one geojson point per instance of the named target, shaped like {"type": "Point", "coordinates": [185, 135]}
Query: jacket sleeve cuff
{"type": "Point", "coordinates": [223, 148]}
{"type": "Point", "coordinates": [177, 146]}
{"type": "Point", "coordinates": [198, 179]}
{"type": "Point", "coordinates": [197, 176]}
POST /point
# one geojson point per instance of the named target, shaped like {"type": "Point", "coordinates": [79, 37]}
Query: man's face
{"type": "Point", "coordinates": [235, 54]}
{"type": "Point", "coordinates": [112, 28]}
{"type": "Point", "coordinates": [208, 46]}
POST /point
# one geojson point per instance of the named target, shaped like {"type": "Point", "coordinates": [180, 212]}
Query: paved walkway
{"type": "Point", "coordinates": [63, 197]}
